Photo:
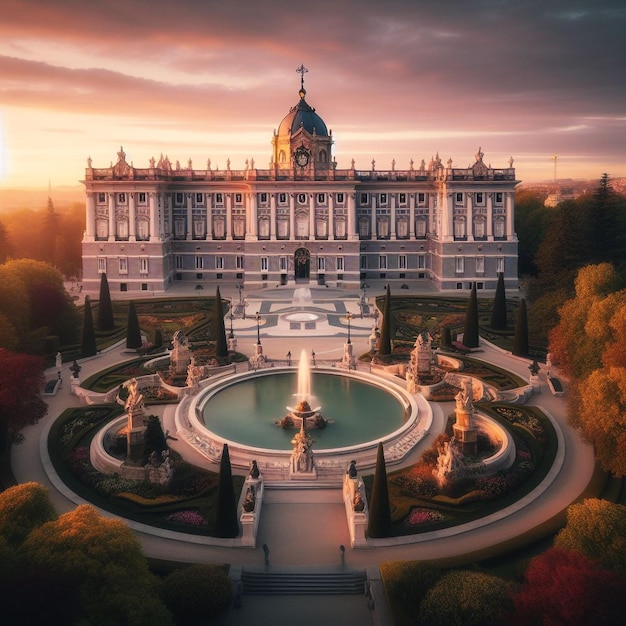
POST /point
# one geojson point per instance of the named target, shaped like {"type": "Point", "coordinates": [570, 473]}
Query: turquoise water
{"type": "Point", "coordinates": [246, 411]}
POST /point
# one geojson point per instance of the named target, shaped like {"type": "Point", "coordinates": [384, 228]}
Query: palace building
{"type": "Point", "coordinates": [301, 220]}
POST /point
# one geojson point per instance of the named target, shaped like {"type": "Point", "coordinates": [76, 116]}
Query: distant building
{"type": "Point", "coordinates": [301, 220]}
{"type": "Point", "coordinates": [565, 193]}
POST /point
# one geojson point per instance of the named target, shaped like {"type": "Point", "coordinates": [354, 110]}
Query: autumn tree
{"type": "Point", "coordinates": [6, 247]}
{"type": "Point", "coordinates": [105, 307]}
{"type": "Point", "coordinates": [88, 343]}
{"type": "Point", "coordinates": [380, 508]}
{"type": "Point", "coordinates": [498, 312]}
{"type": "Point", "coordinates": [20, 395]}
{"type": "Point", "coordinates": [520, 339]}
{"type": "Point", "coordinates": [466, 598]}
{"type": "Point", "coordinates": [567, 587]}
{"type": "Point", "coordinates": [470, 329]}
{"type": "Point", "coordinates": [221, 346]}
{"type": "Point", "coordinates": [226, 524]}
{"type": "Point", "coordinates": [133, 332]}
{"type": "Point", "coordinates": [384, 342]}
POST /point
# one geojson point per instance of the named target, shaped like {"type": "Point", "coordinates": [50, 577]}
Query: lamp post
{"type": "Point", "coordinates": [239, 288]}
{"type": "Point", "coordinates": [232, 334]}
{"type": "Point", "coordinates": [349, 317]}
{"type": "Point", "coordinates": [258, 328]}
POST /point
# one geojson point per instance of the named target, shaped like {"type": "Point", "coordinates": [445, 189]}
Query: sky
{"type": "Point", "coordinates": [393, 79]}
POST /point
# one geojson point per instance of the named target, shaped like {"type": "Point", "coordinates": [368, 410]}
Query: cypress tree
{"type": "Point", "coordinates": [447, 337]}
{"type": "Point", "coordinates": [226, 524]}
{"type": "Point", "coordinates": [520, 341]}
{"type": "Point", "coordinates": [380, 509]}
{"type": "Point", "coordinates": [384, 343]}
{"type": "Point", "coordinates": [105, 308]}
{"type": "Point", "coordinates": [133, 332]}
{"type": "Point", "coordinates": [498, 313]}
{"type": "Point", "coordinates": [88, 346]}
{"type": "Point", "coordinates": [154, 437]}
{"type": "Point", "coordinates": [470, 331]}
{"type": "Point", "coordinates": [221, 346]}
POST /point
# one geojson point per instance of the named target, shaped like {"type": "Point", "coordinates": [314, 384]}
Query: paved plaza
{"type": "Point", "coordinates": [304, 528]}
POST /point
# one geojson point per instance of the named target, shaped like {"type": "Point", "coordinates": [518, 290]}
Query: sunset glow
{"type": "Point", "coordinates": [397, 80]}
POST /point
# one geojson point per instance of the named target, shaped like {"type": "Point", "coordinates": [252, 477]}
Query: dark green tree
{"type": "Point", "coordinates": [384, 342]}
{"type": "Point", "coordinates": [470, 330]}
{"type": "Point", "coordinates": [221, 346]}
{"type": "Point", "coordinates": [133, 332]}
{"type": "Point", "coordinates": [380, 509]}
{"type": "Point", "coordinates": [520, 340]}
{"type": "Point", "coordinates": [154, 437]}
{"type": "Point", "coordinates": [105, 308]}
{"type": "Point", "coordinates": [447, 337]}
{"type": "Point", "coordinates": [88, 344]}
{"type": "Point", "coordinates": [498, 313]}
{"type": "Point", "coordinates": [226, 524]}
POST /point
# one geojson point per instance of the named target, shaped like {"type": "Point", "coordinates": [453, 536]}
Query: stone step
{"type": "Point", "coordinates": [284, 582]}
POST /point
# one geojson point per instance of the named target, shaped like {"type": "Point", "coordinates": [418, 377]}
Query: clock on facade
{"type": "Point", "coordinates": [302, 156]}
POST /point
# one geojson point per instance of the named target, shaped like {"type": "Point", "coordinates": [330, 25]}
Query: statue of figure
{"type": "Point", "coordinates": [58, 361]}
{"type": "Point", "coordinates": [352, 473]}
{"type": "Point", "coordinates": [464, 399]}
{"type": "Point", "coordinates": [134, 402]}
{"type": "Point", "coordinates": [251, 164]}
{"type": "Point", "coordinates": [89, 162]}
{"type": "Point", "coordinates": [302, 455]}
{"type": "Point", "coordinates": [250, 500]}
{"type": "Point", "coordinates": [75, 369]}
{"type": "Point", "coordinates": [152, 162]}
{"type": "Point", "coordinates": [254, 470]}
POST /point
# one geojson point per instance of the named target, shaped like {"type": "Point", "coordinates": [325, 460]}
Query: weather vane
{"type": "Point", "coordinates": [302, 71]}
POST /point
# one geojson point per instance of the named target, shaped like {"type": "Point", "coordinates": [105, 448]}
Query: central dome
{"type": "Point", "coordinates": [302, 116]}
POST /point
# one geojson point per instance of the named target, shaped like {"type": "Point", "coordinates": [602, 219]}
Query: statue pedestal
{"type": "Point", "coordinates": [535, 384]}
{"type": "Point", "coordinates": [296, 475]}
{"type": "Point", "coordinates": [258, 350]}
{"type": "Point", "coordinates": [74, 385]}
{"type": "Point", "coordinates": [348, 361]}
{"type": "Point", "coordinates": [232, 344]}
{"type": "Point", "coordinates": [467, 438]}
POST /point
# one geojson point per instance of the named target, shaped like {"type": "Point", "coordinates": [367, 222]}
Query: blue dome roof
{"type": "Point", "coordinates": [302, 116]}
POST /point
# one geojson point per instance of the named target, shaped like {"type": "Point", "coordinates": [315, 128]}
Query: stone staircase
{"type": "Point", "coordinates": [283, 582]}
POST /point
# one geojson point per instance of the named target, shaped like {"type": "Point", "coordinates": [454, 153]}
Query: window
{"type": "Point", "coordinates": [339, 198]}
{"type": "Point", "coordinates": [143, 265]}
{"type": "Point", "coordinates": [402, 228]}
{"type": "Point", "coordinates": [500, 265]}
{"type": "Point", "coordinates": [264, 198]}
{"type": "Point", "coordinates": [480, 264]}
{"type": "Point", "coordinates": [282, 198]}
{"type": "Point", "coordinates": [458, 198]}
{"type": "Point", "coordinates": [421, 199]}
{"type": "Point", "coordinates": [238, 197]}
{"type": "Point", "coordinates": [123, 265]}
{"type": "Point", "coordinates": [498, 197]}
{"type": "Point", "coordinates": [219, 198]}
{"type": "Point", "coordinates": [480, 198]}
{"type": "Point", "coordinates": [121, 198]}
{"type": "Point", "coordinates": [479, 228]}
{"type": "Point", "coordinates": [382, 262]}
{"type": "Point", "coordinates": [264, 264]}
{"type": "Point", "coordinates": [383, 199]}
{"type": "Point", "coordinates": [421, 261]}
{"type": "Point", "coordinates": [180, 262]}
{"type": "Point", "coordinates": [142, 197]}
{"type": "Point", "coordinates": [239, 262]}
{"type": "Point", "coordinates": [199, 263]}
{"type": "Point", "coordinates": [301, 198]}
{"type": "Point", "coordinates": [219, 262]}
{"type": "Point", "coordinates": [402, 262]}
{"type": "Point", "coordinates": [459, 228]}
{"type": "Point", "coordinates": [364, 198]}
{"type": "Point", "coordinates": [102, 198]}
{"type": "Point", "coordinates": [321, 264]}
{"type": "Point", "coordinates": [459, 264]}
{"type": "Point", "coordinates": [340, 264]}
{"type": "Point", "coordinates": [498, 229]}
{"type": "Point", "coordinates": [144, 286]}
{"type": "Point", "coordinates": [420, 227]}
{"type": "Point", "coordinates": [123, 286]}
{"type": "Point", "coordinates": [199, 198]}
{"type": "Point", "coordinates": [321, 198]}
{"type": "Point", "coordinates": [363, 262]}
{"type": "Point", "coordinates": [402, 198]}
{"type": "Point", "coordinates": [102, 265]}
{"type": "Point", "coordinates": [382, 226]}
{"type": "Point", "coordinates": [179, 198]}
{"type": "Point", "coordinates": [364, 227]}
{"type": "Point", "coordinates": [282, 263]}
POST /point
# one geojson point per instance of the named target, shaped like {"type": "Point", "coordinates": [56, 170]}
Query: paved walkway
{"type": "Point", "coordinates": [306, 530]}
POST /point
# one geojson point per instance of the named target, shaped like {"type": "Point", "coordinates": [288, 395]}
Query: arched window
{"type": "Point", "coordinates": [323, 156]}
{"type": "Point", "coordinates": [282, 157]}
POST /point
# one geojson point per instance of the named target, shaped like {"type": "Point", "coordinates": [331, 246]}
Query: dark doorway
{"type": "Point", "coordinates": [302, 264]}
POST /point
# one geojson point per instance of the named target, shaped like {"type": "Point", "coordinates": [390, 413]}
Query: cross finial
{"type": "Point", "coordinates": [302, 71]}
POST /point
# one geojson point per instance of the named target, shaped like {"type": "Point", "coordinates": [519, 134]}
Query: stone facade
{"type": "Point", "coordinates": [302, 219]}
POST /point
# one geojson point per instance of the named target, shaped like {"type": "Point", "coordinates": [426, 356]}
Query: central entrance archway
{"type": "Point", "coordinates": [302, 264]}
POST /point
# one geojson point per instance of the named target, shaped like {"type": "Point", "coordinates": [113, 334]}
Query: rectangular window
{"type": "Point", "coordinates": [402, 262]}
{"type": "Point", "coordinates": [363, 262]}
{"type": "Point", "coordinates": [321, 198]}
{"type": "Point", "coordinates": [179, 198]}
{"type": "Point", "coordinates": [180, 262]}
{"type": "Point", "coordinates": [264, 264]}
{"type": "Point", "coordinates": [421, 261]}
{"type": "Point", "coordinates": [364, 198]}
{"type": "Point", "coordinates": [263, 198]}
{"type": "Point", "coordinates": [123, 286]}
{"type": "Point", "coordinates": [383, 199]}
{"type": "Point", "coordinates": [421, 199]}
{"type": "Point", "coordinates": [458, 198]}
{"type": "Point", "coordinates": [121, 198]}
{"type": "Point", "coordinates": [144, 286]}
{"type": "Point", "coordinates": [339, 198]}
{"type": "Point", "coordinates": [142, 197]}
{"type": "Point", "coordinates": [123, 265]}
{"type": "Point", "coordinates": [143, 265]}
{"type": "Point", "coordinates": [282, 198]}
{"type": "Point", "coordinates": [340, 264]}
{"type": "Point", "coordinates": [480, 198]}
{"type": "Point", "coordinates": [102, 265]}
{"type": "Point", "coordinates": [219, 198]}
{"type": "Point", "coordinates": [480, 264]}
{"type": "Point", "coordinates": [321, 264]}
{"type": "Point", "coordinates": [498, 197]}
{"type": "Point", "coordinates": [199, 263]}
{"type": "Point", "coordinates": [500, 265]}
{"type": "Point", "coordinates": [238, 197]}
{"type": "Point", "coordinates": [239, 262]}
{"type": "Point", "coordinates": [382, 262]}
{"type": "Point", "coordinates": [219, 262]}
{"type": "Point", "coordinates": [459, 264]}
{"type": "Point", "coordinates": [199, 198]}
{"type": "Point", "coordinates": [282, 263]}
{"type": "Point", "coordinates": [102, 198]}
{"type": "Point", "coordinates": [403, 198]}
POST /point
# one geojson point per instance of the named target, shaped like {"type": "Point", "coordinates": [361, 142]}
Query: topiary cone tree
{"type": "Point", "coordinates": [133, 332]}
{"type": "Point", "coordinates": [520, 340]}
{"type": "Point", "coordinates": [470, 330]}
{"type": "Point", "coordinates": [498, 313]}
{"type": "Point", "coordinates": [88, 345]}
{"type": "Point", "coordinates": [384, 343]}
{"type": "Point", "coordinates": [105, 308]}
{"type": "Point", "coordinates": [226, 524]}
{"type": "Point", "coordinates": [221, 346]}
{"type": "Point", "coordinates": [154, 438]}
{"type": "Point", "coordinates": [380, 509]}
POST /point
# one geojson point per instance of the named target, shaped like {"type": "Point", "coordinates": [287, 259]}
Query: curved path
{"type": "Point", "coordinates": [304, 528]}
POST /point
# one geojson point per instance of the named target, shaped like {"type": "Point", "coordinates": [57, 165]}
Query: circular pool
{"type": "Point", "coordinates": [246, 411]}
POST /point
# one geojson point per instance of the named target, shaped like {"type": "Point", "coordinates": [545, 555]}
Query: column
{"type": "Point", "coordinates": [311, 216]}
{"type": "Point", "coordinates": [392, 226]}
{"type": "Point", "coordinates": [229, 217]}
{"type": "Point", "coordinates": [132, 217]}
{"type": "Point", "coordinates": [447, 212]}
{"type": "Point", "coordinates": [331, 216]}
{"type": "Point", "coordinates": [209, 216]}
{"type": "Point", "coordinates": [510, 232]}
{"type": "Point", "coordinates": [490, 217]}
{"type": "Point", "coordinates": [111, 216]}
{"type": "Point", "coordinates": [253, 218]}
{"type": "Point", "coordinates": [154, 233]}
{"type": "Point", "coordinates": [373, 221]}
{"type": "Point", "coordinates": [292, 217]}
{"type": "Point", "coordinates": [469, 217]}
{"type": "Point", "coordinates": [412, 215]}
{"type": "Point", "coordinates": [273, 217]}
{"type": "Point", "coordinates": [90, 216]}
{"type": "Point", "coordinates": [189, 234]}
{"type": "Point", "coordinates": [351, 217]}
